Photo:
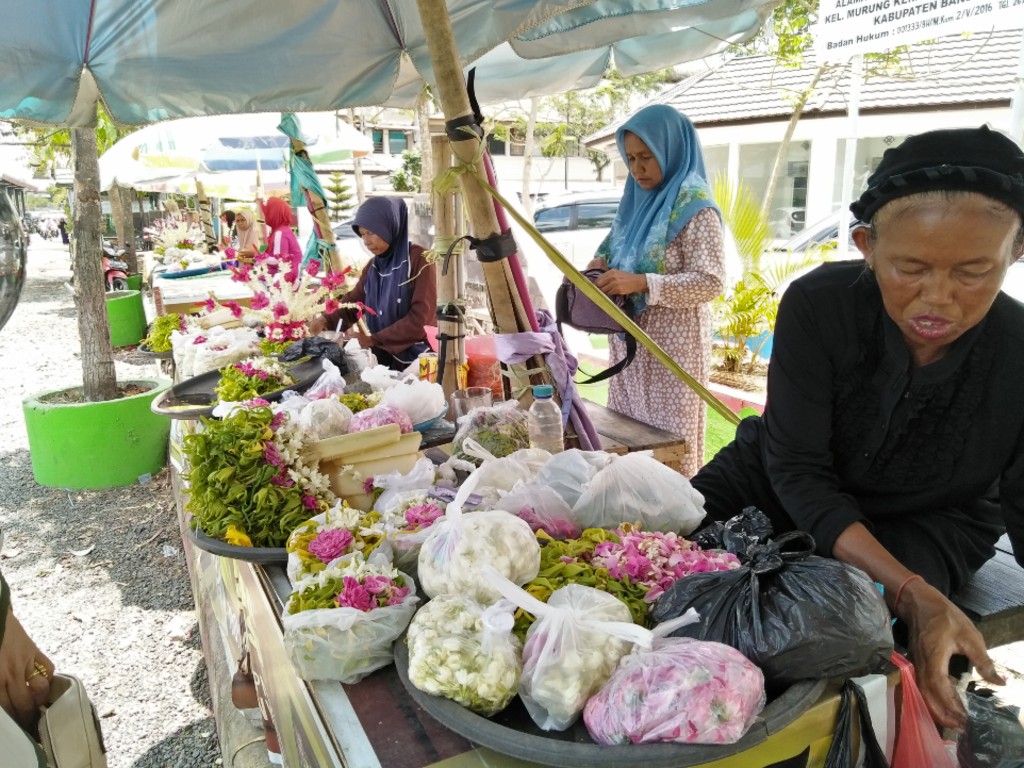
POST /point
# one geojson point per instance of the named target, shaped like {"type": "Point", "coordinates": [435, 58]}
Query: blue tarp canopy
{"type": "Point", "coordinates": [152, 60]}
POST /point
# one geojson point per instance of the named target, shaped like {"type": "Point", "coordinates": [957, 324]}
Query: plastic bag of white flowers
{"type": "Point", "coordinates": [342, 623]}
{"type": "Point", "coordinates": [580, 636]}
{"type": "Point", "coordinates": [461, 544]}
{"type": "Point", "coordinates": [465, 652]}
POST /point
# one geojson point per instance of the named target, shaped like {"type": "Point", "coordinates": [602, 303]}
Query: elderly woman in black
{"type": "Point", "coordinates": [894, 430]}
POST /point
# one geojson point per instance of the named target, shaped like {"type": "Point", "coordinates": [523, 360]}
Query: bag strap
{"type": "Point", "coordinates": [620, 366]}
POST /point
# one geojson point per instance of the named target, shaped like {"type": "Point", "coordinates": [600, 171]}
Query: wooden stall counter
{"type": "Point", "coordinates": [622, 434]}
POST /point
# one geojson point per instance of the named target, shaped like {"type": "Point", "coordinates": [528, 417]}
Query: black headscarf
{"type": "Point", "coordinates": [963, 159]}
{"type": "Point", "coordinates": [388, 287]}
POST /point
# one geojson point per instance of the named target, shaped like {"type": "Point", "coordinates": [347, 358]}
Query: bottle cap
{"type": "Point", "coordinates": [543, 390]}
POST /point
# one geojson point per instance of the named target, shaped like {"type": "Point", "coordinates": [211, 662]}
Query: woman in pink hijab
{"type": "Point", "coordinates": [281, 241]}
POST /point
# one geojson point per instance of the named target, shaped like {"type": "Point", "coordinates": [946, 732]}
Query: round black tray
{"type": "Point", "coordinates": [262, 555]}
{"type": "Point", "coordinates": [512, 732]}
{"type": "Point", "coordinates": [168, 355]}
{"type": "Point", "coordinates": [197, 396]}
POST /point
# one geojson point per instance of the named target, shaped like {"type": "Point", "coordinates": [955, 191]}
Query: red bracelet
{"type": "Point", "coordinates": [899, 592]}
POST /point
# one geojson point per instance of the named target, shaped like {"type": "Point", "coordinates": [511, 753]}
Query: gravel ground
{"type": "Point", "coordinates": [98, 577]}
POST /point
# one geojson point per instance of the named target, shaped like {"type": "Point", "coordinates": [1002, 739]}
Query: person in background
{"type": "Point", "coordinates": [665, 252]}
{"type": "Point", "coordinates": [227, 225]}
{"type": "Point", "coordinates": [894, 425]}
{"type": "Point", "coordinates": [397, 284]}
{"type": "Point", "coordinates": [281, 241]}
{"type": "Point", "coordinates": [248, 235]}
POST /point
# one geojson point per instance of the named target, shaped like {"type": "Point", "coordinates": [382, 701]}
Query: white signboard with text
{"type": "Point", "coordinates": [848, 27]}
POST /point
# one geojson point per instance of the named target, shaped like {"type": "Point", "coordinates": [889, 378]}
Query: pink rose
{"type": "Point", "coordinates": [354, 595]}
{"type": "Point", "coordinates": [331, 544]}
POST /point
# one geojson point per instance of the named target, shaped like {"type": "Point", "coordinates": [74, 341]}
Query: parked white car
{"type": "Point", "coordinates": [577, 223]}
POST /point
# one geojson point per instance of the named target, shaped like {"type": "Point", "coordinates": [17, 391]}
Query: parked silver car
{"type": "Point", "coordinates": [577, 223]}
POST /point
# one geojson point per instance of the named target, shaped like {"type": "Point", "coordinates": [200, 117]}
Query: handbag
{"type": "Point", "coordinates": [69, 731]}
{"type": "Point", "coordinates": [574, 308]}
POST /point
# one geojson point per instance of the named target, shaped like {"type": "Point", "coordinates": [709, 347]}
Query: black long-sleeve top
{"type": "Point", "coordinates": [854, 432]}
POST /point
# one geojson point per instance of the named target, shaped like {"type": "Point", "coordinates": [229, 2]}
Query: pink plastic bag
{"type": "Point", "coordinates": [918, 742]}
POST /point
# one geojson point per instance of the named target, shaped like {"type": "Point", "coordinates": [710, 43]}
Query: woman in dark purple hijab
{"type": "Point", "coordinates": [397, 284]}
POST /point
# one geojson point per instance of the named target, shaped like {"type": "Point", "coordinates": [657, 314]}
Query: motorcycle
{"type": "Point", "coordinates": [115, 271]}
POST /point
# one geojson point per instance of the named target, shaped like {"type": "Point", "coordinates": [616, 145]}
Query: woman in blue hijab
{"type": "Point", "coordinates": [664, 251]}
{"type": "Point", "coordinates": [397, 284]}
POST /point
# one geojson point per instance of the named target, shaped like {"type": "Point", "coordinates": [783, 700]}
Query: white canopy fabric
{"type": "Point", "coordinates": [153, 60]}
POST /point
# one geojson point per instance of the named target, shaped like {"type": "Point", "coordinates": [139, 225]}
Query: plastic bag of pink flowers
{"type": "Point", "coordinates": [680, 690]}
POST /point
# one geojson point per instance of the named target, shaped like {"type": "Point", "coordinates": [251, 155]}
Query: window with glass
{"type": "Point", "coordinates": [552, 219]}
{"type": "Point", "coordinates": [595, 215]}
{"type": "Point", "coordinates": [378, 140]}
{"type": "Point", "coordinates": [869, 154]}
{"type": "Point", "coordinates": [716, 161]}
{"type": "Point", "coordinates": [398, 142]}
{"type": "Point", "coordinates": [789, 200]}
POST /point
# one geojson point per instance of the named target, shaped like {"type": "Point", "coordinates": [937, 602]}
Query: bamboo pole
{"type": "Point", "coordinates": [506, 308]}
{"type": "Point", "coordinates": [448, 285]}
{"type": "Point", "coordinates": [205, 216]}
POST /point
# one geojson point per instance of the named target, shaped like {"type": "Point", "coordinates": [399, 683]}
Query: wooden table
{"type": "Point", "coordinates": [994, 597]}
{"type": "Point", "coordinates": [622, 434]}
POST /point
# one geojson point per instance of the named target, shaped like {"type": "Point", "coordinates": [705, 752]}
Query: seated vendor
{"type": "Point", "coordinates": [894, 426]}
{"type": "Point", "coordinates": [397, 284]}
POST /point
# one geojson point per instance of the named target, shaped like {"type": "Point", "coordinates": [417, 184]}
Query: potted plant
{"type": "Point", "coordinates": [66, 426]}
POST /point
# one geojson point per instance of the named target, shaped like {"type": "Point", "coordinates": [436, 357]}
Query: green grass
{"type": "Point", "coordinates": [717, 434]}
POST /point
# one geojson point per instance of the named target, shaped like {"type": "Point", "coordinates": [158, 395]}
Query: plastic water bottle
{"type": "Point", "coordinates": [544, 420]}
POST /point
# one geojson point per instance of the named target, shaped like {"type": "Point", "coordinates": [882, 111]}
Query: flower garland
{"type": "Point", "coordinates": [248, 481]}
{"type": "Point", "coordinates": [284, 301]}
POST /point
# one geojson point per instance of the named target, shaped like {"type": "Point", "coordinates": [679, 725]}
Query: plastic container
{"type": "Point", "coordinates": [544, 421]}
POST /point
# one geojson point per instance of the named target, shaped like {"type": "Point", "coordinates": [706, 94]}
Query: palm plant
{"type": "Point", "coordinates": [747, 310]}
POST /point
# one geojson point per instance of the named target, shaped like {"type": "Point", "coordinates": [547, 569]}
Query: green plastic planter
{"type": "Point", "coordinates": [96, 445]}
{"type": "Point", "coordinates": [127, 317]}
{"type": "Point", "coordinates": [135, 282]}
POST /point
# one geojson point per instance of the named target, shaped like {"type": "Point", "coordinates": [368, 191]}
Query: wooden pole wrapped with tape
{"type": "Point", "coordinates": [205, 216]}
{"type": "Point", "coordinates": [507, 311]}
{"type": "Point", "coordinates": [451, 344]}
{"type": "Point", "coordinates": [318, 209]}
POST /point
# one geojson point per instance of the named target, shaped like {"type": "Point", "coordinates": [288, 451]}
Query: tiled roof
{"type": "Point", "coordinates": [968, 70]}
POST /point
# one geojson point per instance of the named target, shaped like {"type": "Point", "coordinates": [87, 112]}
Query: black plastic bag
{"type": "Point", "coordinates": [737, 534]}
{"type": "Point", "coordinates": [994, 737]}
{"type": "Point", "coordinates": [795, 615]}
{"type": "Point", "coordinates": [841, 753]}
{"type": "Point", "coordinates": [316, 346]}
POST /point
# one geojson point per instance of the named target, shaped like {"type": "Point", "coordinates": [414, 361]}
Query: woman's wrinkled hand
{"type": "Point", "coordinates": [938, 631]}
{"type": "Point", "coordinates": [22, 689]}
{"type": "Point", "coordinates": [615, 282]}
{"type": "Point", "coordinates": [365, 340]}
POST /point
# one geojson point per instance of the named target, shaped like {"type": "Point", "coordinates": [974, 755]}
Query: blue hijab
{"type": "Point", "coordinates": [388, 287]}
{"type": "Point", "coordinates": [649, 219]}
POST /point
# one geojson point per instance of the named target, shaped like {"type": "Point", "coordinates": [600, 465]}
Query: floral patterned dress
{"type": "Point", "coordinates": [679, 320]}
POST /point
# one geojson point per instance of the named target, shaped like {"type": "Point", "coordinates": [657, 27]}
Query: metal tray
{"type": "Point", "coordinates": [262, 555]}
{"type": "Point", "coordinates": [197, 396]}
{"type": "Point", "coordinates": [512, 732]}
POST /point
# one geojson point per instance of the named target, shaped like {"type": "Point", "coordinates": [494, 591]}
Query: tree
{"type": "Point", "coordinates": [587, 111]}
{"type": "Point", "coordinates": [407, 178]}
{"type": "Point", "coordinates": [339, 196]}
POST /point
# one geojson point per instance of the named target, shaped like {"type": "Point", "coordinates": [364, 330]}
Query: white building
{"type": "Point", "coordinates": [741, 112]}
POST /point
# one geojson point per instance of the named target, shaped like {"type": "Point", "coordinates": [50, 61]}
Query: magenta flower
{"type": "Point", "coordinates": [280, 310]}
{"type": "Point", "coordinates": [277, 420]}
{"type": "Point", "coordinates": [309, 501]}
{"type": "Point", "coordinates": [376, 585]}
{"type": "Point", "coordinates": [199, 340]}
{"type": "Point", "coordinates": [368, 486]}
{"type": "Point", "coordinates": [256, 401]}
{"type": "Point", "coordinates": [235, 307]}
{"type": "Point", "coordinates": [292, 276]}
{"type": "Point", "coordinates": [271, 455]}
{"type": "Point", "coordinates": [331, 305]}
{"type": "Point", "coordinates": [331, 544]}
{"type": "Point", "coordinates": [398, 594]}
{"type": "Point", "coordinates": [354, 595]}
{"type": "Point", "coordinates": [260, 300]}
{"type": "Point", "coordinates": [421, 516]}
{"type": "Point", "coordinates": [333, 280]}
{"type": "Point", "coordinates": [282, 480]}
{"type": "Point", "coordinates": [313, 267]}
{"type": "Point", "coordinates": [210, 304]}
